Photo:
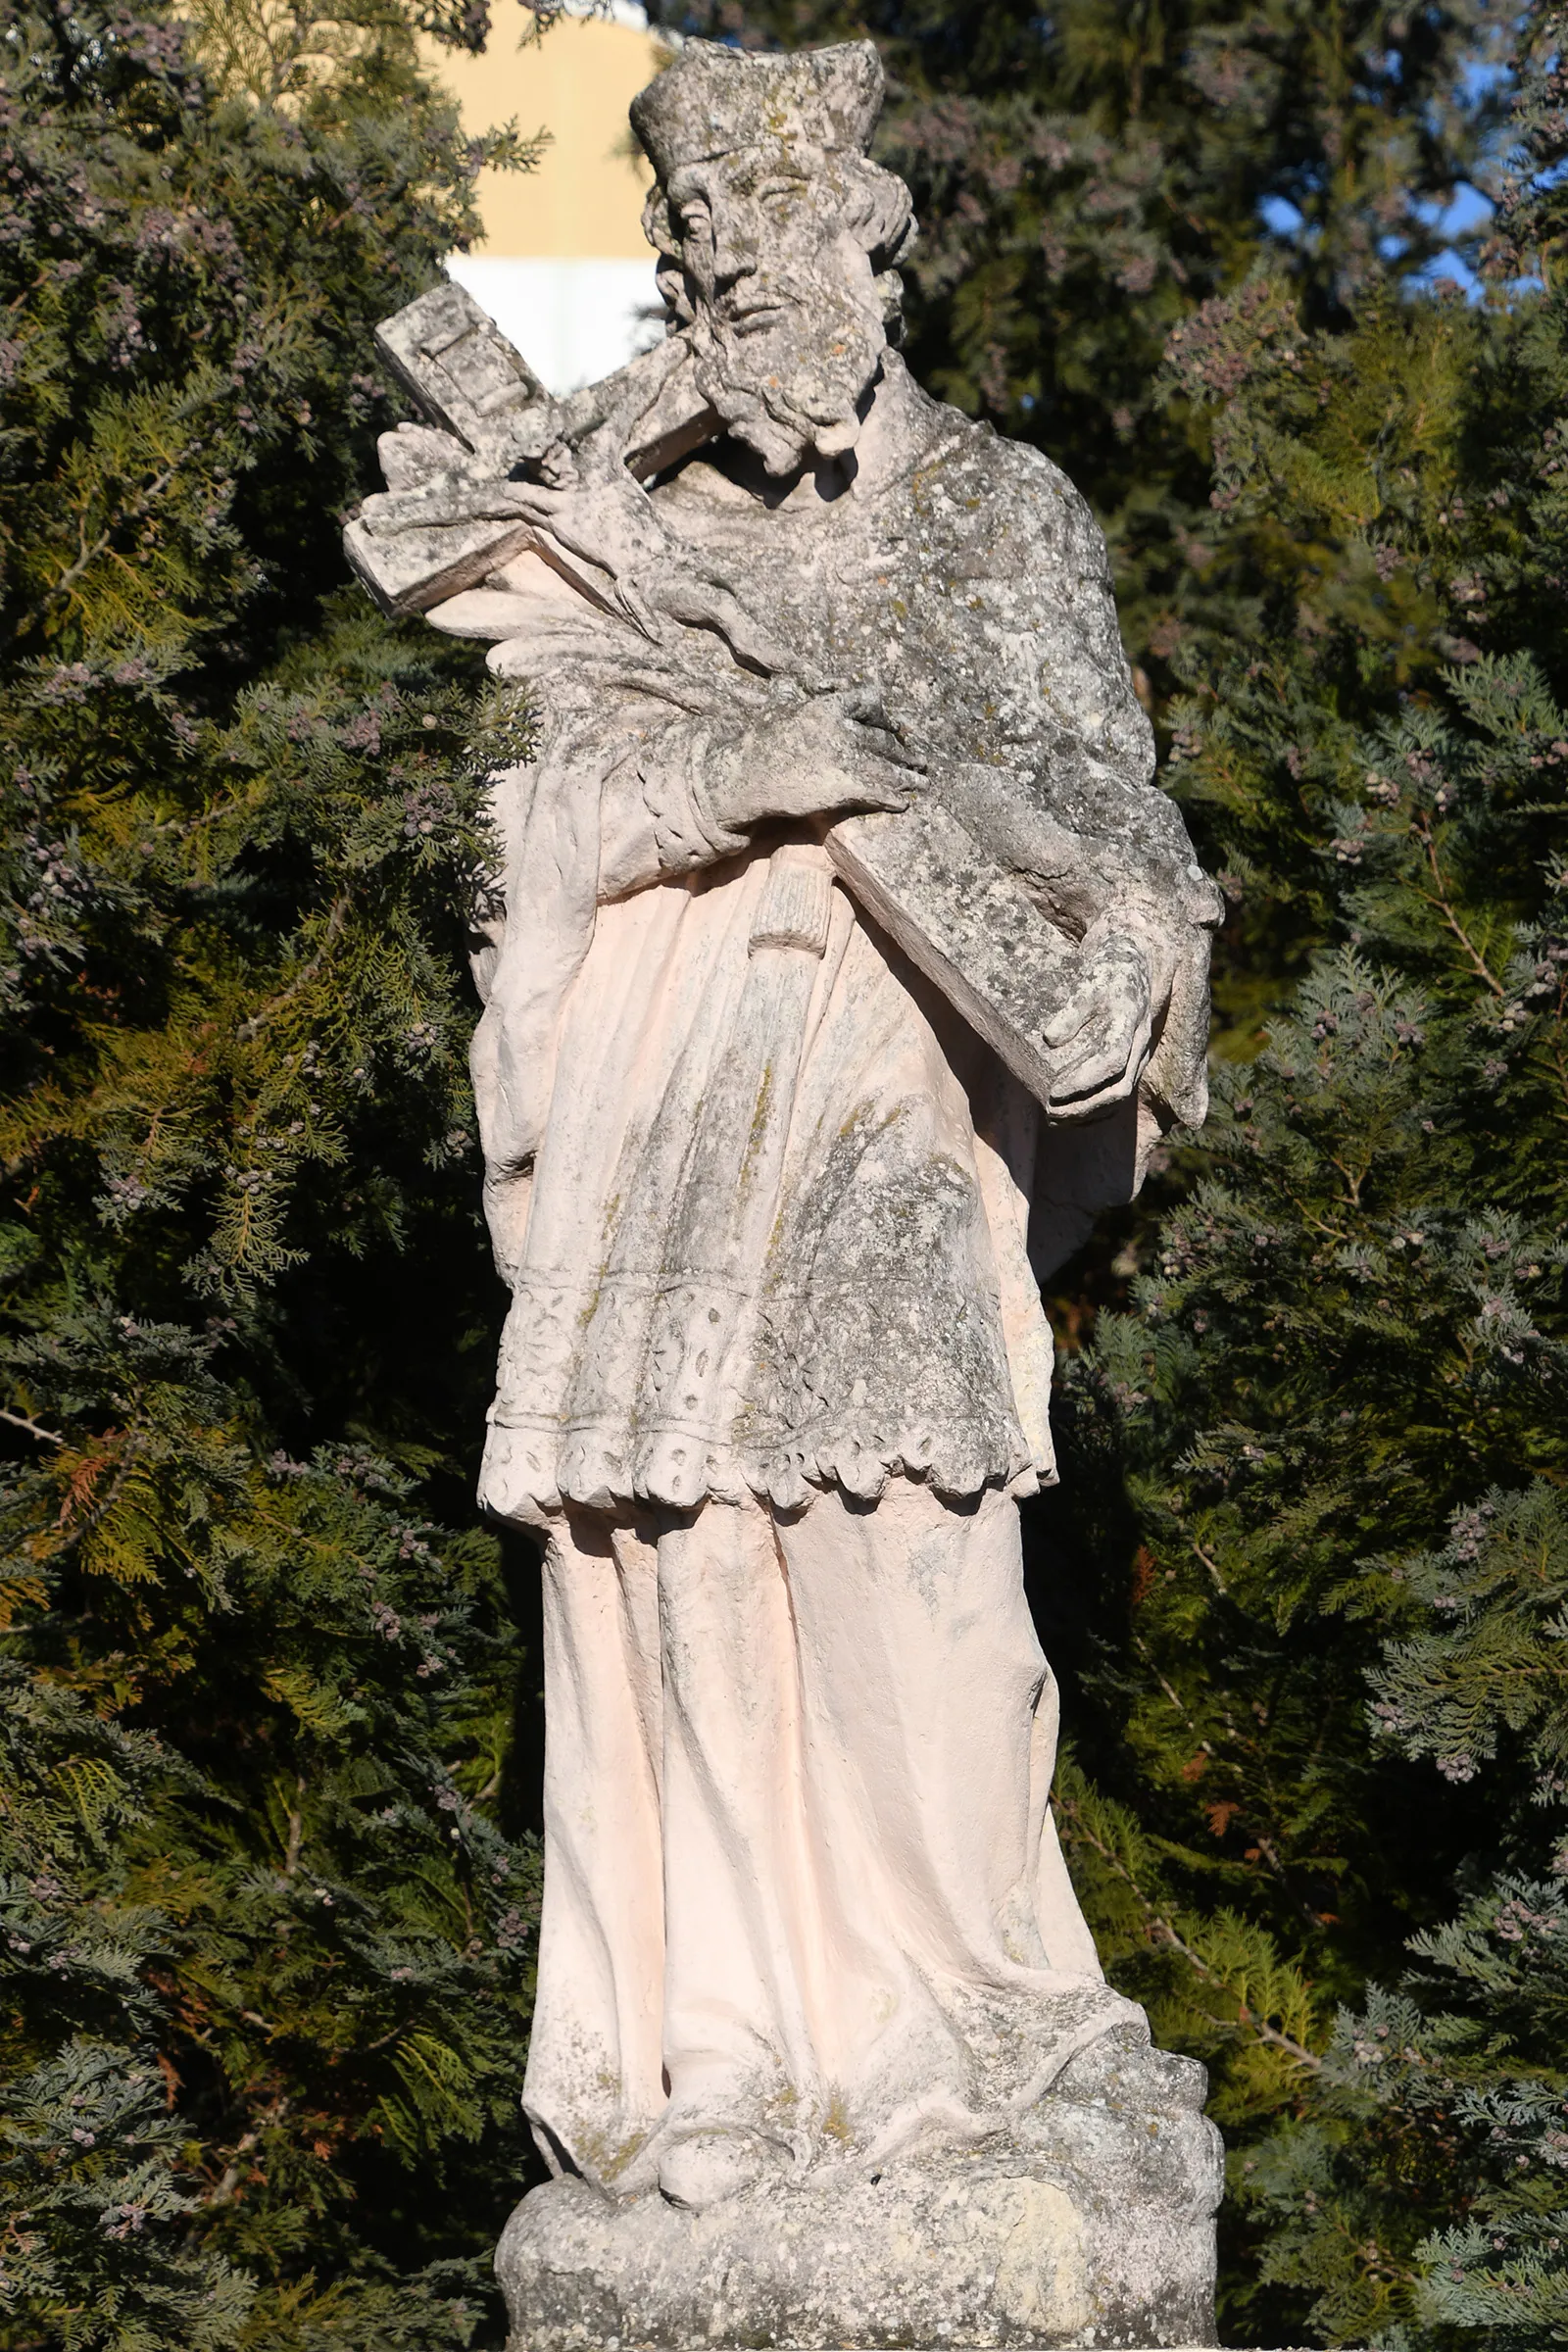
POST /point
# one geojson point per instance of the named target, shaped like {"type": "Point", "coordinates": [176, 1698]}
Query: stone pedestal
{"type": "Point", "coordinates": [1091, 2222]}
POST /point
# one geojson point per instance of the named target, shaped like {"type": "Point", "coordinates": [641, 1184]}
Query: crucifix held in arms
{"type": "Point", "coordinates": [950, 881]}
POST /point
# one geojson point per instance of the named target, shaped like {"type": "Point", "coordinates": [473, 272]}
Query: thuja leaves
{"type": "Point", "coordinates": [1329, 1693]}
{"type": "Point", "coordinates": [268, 1942]}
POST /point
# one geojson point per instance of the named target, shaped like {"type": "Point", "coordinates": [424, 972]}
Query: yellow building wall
{"type": "Point", "coordinates": [576, 83]}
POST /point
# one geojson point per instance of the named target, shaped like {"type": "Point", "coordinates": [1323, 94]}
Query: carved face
{"type": "Point", "coordinates": [789, 324]}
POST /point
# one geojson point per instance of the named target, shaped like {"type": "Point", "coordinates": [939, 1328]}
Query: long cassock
{"type": "Point", "coordinates": [775, 1369]}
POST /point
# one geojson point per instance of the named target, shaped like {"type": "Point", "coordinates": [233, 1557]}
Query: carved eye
{"type": "Point", "coordinates": [693, 221]}
{"type": "Point", "coordinates": [781, 195]}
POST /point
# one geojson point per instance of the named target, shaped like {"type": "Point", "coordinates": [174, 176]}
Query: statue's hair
{"type": "Point", "coordinates": [879, 213]}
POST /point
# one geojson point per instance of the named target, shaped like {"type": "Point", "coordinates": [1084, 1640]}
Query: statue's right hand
{"type": "Point", "coordinates": [835, 755]}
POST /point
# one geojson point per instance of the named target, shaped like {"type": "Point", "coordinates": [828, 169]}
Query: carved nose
{"type": "Point", "coordinates": [732, 263]}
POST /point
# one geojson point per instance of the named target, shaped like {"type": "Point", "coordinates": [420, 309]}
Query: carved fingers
{"type": "Point", "coordinates": [835, 754]}
{"type": "Point", "coordinates": [599, 513]}
{"type": "Point", "coordinates": [700, 600]}
{"type": "Point", "coordinates": [605, 518]}
{"type": "Point", "coordinates": [862, 709]}
{"type": "Point", "coordinates": [1101, 1035]}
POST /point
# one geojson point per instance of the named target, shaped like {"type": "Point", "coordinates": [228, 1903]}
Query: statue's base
{"type": "Point", "coordinates": [1090, 2225]}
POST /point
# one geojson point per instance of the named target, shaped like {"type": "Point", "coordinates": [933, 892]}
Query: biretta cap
{"type": "Point", "coordinates": [714, 100]}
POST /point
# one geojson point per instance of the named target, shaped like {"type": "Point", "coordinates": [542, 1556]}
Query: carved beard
{"type": "Point", "coordinates": [795, 387]}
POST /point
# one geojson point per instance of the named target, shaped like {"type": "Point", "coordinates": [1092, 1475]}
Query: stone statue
{"type": "Point", "coordinates": [845, 955]}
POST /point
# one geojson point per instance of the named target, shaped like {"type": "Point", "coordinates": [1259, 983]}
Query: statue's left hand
{"type": "Point", "coordinates": [1100, 1038]}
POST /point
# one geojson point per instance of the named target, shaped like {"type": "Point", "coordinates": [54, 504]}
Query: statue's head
{"type": "Point", "coordinates": [777, 236]}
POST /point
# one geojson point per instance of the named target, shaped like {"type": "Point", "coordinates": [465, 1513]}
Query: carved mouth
{"type": "Point", "coordinates": [756, 318]}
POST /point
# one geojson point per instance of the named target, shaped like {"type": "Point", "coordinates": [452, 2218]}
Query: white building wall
{"type": "Point", "coordinates": [574, 318]}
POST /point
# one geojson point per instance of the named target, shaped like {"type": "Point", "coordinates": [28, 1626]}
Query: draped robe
{"type": "Point", "coordinates": [775, 1368]}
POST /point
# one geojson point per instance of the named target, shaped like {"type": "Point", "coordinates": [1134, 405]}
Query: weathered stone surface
{"type": "Point", "coordinates": [845, 953]}
{"type": "Point", "coordinates": [967, 921]}
{"type": "Point", "coordinates": [1092, 2225]}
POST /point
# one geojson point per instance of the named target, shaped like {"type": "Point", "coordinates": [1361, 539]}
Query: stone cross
{"type": "Point", "coordinates": [845, 960]}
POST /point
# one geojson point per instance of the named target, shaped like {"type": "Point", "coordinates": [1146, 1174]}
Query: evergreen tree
{"type": "Point", "coordinates": [267, 1914]}
{"type": "Point", "coordinates": [1325, 1709]}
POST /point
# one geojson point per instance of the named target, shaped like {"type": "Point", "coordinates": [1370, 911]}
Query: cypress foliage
{"type": "Point", "coordinates": [1321, 1829]}
{"type": "Point", "coordinates": [266, 1904]}
{"type": "Point", "coordinates": [266, 1916]}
